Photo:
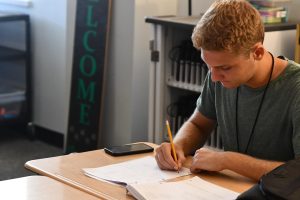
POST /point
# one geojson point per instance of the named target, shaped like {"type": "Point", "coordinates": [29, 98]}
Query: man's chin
{"type": "Point", "coordinates": [229, 85]}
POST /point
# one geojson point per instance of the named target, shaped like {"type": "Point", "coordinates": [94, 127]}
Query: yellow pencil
{"type": "Point", "coordinates": [171, 142]}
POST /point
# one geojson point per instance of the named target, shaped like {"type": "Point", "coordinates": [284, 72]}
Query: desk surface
{"type": "Point", "coordinates": [40, 188]}
{"type": "Point", "coordinates": [68, 169]}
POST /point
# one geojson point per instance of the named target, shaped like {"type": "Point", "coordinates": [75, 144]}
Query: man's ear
{"type": "Point", "coordinates": [259, 51]}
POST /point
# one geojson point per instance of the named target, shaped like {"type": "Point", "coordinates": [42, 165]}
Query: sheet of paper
{"type": "Point", "coordinates": [194, 188]}
{"type": "Point", "coordinates": [141, 170]}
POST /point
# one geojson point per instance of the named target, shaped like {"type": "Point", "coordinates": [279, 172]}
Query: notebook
{"type": "Point", "coordinates": [142, 170]}
{"type": "Point", "coordinates": [193, 189]}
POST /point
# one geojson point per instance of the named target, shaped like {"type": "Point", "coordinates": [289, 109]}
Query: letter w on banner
{"type": "Point", "coordinates": [87, 85]}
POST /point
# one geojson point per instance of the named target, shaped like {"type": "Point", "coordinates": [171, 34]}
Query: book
{"type": "Point", "coordinates": [272, 11]}
{"type": "Point", "coordinates": [193, 188]}
{"type": "Point", "coordinates": [144, 180]}
{"type": "Point", "coordinates": [270, 3]}
{"type": "Point", "coordinates": [137, 171]}
{"type": "Point", "coordinates": [271, 20]}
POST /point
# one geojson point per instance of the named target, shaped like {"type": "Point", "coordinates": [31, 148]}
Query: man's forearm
{"type": "Point", "coordinates": [248, 166]}
{"type": "Point", "coordinates": [189, 138]}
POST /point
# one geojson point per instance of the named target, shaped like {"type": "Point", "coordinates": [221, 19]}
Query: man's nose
{"type": "Point", "coordinates": [216, 75]}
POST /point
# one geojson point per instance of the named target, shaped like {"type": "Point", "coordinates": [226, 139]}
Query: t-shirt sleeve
{"type": "Point", "coordinates": [296, 125]}
{"type": "Point", "coordinates": [206, 101]}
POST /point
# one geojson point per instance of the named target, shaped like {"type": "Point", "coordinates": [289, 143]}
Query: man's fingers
{"type": "Point", "coordinates": [181, 159]}
{"type": "Point", "coordinates": [158, 162]}
{"type": "Point", "coordinates": [164, 157]}
{"type": "Point", "coordinates": [160, 158]}
{"type": "Point", "coordinates": [196, 163]}
{"type": "Point", "coordinates": [166, 152]}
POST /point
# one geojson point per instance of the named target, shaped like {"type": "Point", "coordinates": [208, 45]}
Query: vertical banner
{"type": "Point", "coordinates": [89, 62]}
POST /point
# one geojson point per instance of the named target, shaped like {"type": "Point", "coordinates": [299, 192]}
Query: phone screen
{"type": "Point", "coordinates": [128, 149]}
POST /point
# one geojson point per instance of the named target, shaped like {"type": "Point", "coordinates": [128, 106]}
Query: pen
{"type": "Point", "coordinates": [172, 144]}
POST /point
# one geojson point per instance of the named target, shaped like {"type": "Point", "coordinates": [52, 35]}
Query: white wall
{"type": "Point", "coordinates": [126, 98]}
{"type": "Point", "coordinates": [117, 102]}
{"type": "Point", "coordinates": [49, 33]}
{"type": "Point", "coordinates": [198, 6]}
{"type": "Point", "coordinates": [294, 10]}
{"type": "Point", "coordinates": [48, 28]}
{"type": "Point", "coordinates": [70, 32]}
{"type": "Point", "coordinates": [141, 62]}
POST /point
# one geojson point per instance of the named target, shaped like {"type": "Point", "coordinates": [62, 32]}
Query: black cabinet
{"type": "Point", "coordinates": [15, 70]}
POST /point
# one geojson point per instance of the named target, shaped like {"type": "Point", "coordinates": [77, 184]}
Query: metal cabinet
{"type": "Point", "coordinates": [15, 70]}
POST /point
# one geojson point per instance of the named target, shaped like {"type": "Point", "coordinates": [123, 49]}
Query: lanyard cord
{"type": "Point", "coordinates": [257, 114]}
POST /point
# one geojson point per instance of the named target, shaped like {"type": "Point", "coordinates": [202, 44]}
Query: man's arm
{"type": "Point", "coordinates": [193, 134]}
{"type": "Point", "coordinates": [245, 165]}
{"type": "Point", "coordinates": [190, 137]}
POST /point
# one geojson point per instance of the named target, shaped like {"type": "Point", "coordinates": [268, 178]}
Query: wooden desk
{"type": "Point", "coordinates": [40, 188]}
{"type": "Point", "coordinates": [67, 169]}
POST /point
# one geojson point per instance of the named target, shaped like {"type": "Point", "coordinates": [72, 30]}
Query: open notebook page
{"type": "Point", "coordinates": [140, 170]}
{"type": "Point", "coordinates": [194, 188]}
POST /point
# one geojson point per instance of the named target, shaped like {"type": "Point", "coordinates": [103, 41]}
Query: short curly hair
{"type": "Point", "coordinates": [230, 25]}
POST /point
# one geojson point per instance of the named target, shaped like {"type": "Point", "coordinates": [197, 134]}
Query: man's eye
{"type": "Point", "coordinates": [226, 68]}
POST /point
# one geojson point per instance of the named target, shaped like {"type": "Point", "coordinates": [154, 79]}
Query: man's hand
{"type": "Point", "coordinates": [164, 157]}
{"type": "Point", "coordinates": [209, 160]}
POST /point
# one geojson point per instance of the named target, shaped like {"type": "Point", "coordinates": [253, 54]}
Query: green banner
{"type": "Point", "coordinates": [89, 60]}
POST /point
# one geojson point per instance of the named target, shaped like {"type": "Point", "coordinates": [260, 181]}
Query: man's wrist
{"type": "Point", "coordinates": [225, 157]}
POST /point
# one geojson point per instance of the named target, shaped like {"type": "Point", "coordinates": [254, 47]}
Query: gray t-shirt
{"type": "Point", "coordinates": [277, 132]}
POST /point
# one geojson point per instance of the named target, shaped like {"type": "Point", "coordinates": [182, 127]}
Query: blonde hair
{"type": "Point", "coordinates": [230, 25]}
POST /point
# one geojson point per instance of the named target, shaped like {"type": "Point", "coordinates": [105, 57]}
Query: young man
{"type": "Point", "coordinates": [253, 97]}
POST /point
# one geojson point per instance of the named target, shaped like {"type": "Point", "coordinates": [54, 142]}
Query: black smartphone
{"type": "Point", "coordinates": [128, 149]}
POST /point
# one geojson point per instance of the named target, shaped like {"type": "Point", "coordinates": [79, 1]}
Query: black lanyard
{"type": "Point", "coordinates": [257, 114]}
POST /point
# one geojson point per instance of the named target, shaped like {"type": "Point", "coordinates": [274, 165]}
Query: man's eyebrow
{"type": "Point", "coordinates": [220, 66]}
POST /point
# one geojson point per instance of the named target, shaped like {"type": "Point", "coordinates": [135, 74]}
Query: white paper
{"type": "Point", "coordinates": [141, 170]}
{"type": "Point", "coordinates": [194, 188]}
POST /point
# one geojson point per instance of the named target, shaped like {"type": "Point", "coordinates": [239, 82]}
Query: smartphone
{"type": "Point", "coordinates": [128, 149]}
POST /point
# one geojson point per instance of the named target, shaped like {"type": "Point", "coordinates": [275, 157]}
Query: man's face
{"type": "Point", "coordinates": [229, 69]}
